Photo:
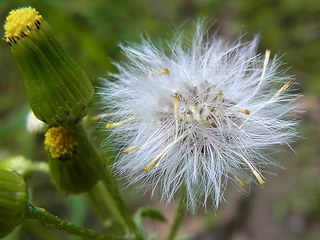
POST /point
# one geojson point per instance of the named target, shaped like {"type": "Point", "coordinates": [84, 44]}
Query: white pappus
{"type": "Point", "coordinates": [197, 115]}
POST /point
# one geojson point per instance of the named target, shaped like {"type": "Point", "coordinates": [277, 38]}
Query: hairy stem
{"type": "Point", "coordinates": [53, 221]}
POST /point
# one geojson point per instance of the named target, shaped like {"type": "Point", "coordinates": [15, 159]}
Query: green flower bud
{"type": "Point", "coordinates": [74, 164]}
{"type": "Point", "coordinates": [57, 88]}
{"type": "Point", "coordinates": [13, 201]}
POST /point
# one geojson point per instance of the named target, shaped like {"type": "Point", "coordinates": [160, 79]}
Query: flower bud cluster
{"type": "Point", "coordinates": [59, 95]}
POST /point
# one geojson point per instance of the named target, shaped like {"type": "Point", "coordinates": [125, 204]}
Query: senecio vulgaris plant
{"type": "Point", "coordinates": [186, 120]}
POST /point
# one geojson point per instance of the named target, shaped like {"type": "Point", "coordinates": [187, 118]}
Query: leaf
{"type": "Point", "coordinates": [150, 212]}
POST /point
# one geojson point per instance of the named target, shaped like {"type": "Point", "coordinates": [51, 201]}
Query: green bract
{"type": "Point", "coordinates": [58, 89]}
{"type": "Point", "coordinates": [74, 164]}
{"type": "Point", "coordinates": [13, 201]}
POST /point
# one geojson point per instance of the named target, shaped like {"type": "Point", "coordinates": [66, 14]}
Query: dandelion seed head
{"type": "Point", "coordinates": [198, 116]}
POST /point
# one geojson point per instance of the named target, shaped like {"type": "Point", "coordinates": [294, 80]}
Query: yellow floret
{"type": "Point", "coordinates": [20, 22]}
{"type": "Point", "coordinates": [60, 142]}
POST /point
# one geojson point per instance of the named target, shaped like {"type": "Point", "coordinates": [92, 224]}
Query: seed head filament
{"type": "Point", "coordinates": [196, 114]}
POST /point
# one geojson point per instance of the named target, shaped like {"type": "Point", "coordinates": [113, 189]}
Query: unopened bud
{"type": "Point", "coordinates": [74, 164]}
{"type": "Point", "coordinates": [58, 89]}
{"type": "Point", "coordinates": [13, 201]}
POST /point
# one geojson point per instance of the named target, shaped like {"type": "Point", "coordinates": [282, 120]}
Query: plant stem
{"type": "Point", "coordinates": [122, 211]}
{"type": "Point", "coordinates": [38, 166]}
{"type": "Point", "coordinates": [106, 196]}
{"type": "Point", "coordinates": [104, 204]}
{"type": "Point", "coordinates": [180, 213]}
{"type": "Point", "coordinates": [53, 221]}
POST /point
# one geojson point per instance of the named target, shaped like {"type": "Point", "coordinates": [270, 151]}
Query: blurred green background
{"type": "Point", "coordinates": [288, 207]}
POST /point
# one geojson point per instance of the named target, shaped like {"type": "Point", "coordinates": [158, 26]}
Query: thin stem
{"type": "Point", "coordinates": [53, 221]}
{"type": "Point", "coordinates": [180, 213]}
{"type": "Point", "coordinates": [101, 199]}
{"type": "Point", "coordinates": [38, 166]}
{"type": "Point", "coordinates": [106, 196]}
{"type": "Point", "coordinates": [107, 199]}
{"type": "Point", "coordinates": [121, 210]}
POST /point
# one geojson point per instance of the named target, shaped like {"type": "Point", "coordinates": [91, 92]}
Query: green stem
{"type": "Point", "coordinates": [107, 199]}
{"type": "Point", "coordinates": [106, 195]}
{"type": "Point", "coordinates": [53, 221]}
{"type": "Point", "coordinates": [105, 205]}
{"type": "Point", "coordinates": [180, 213]}
{"type": "Point", "coordinates": [38, 166]}
{"type": "Point", "coordinates": [122, 211]}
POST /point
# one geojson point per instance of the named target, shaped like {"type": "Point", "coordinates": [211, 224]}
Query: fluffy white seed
{"type": "Point", "coordinates": [197, 116]}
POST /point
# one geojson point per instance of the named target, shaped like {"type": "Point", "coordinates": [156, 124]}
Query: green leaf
{"type": "Point", "coordinates": [151, 212]}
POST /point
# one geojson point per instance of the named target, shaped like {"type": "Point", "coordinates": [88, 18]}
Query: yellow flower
{"type": "Point", "coordinates": [20, 23]}
{"type": "Point", "coordinates": [74, 164]}
{"type": "Point", "coordinates": [60, 142]}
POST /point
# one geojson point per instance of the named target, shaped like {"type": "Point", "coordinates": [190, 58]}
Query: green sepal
{"type": "Point", "coordinates": [13, 201]}
{"type": "Point", "coordinates": [58, 89]}
{"type": "Point", "coordinates": [80, 171]}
